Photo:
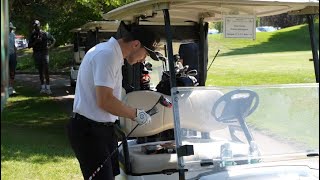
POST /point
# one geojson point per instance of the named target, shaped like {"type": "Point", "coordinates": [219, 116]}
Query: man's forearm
{"type": "Point", "coordinates": [117, 108]}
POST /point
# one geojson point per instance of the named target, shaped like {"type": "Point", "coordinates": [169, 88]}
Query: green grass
{"type": "Point", "coordinates": [280, 57]}
{"type": "Point", "coordinates": [60, 59]}
{"type": "Point", "coordinates": [289, 114]}
{"type": "Point", "coordinates": [33, 139]}
{"type": "Point", "coordinates": [262, 69]}
{"type": "Point", "coordinates": [294, 38]}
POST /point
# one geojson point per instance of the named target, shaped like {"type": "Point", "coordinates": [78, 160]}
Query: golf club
{"type": "Point", "coordinates": [163, 101]}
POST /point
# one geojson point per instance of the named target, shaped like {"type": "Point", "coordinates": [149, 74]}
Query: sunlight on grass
{"type": "Point", "coordinates": [263, 68]}
{"type": "Point", "coordinates": [66, 168]}
{"type": "Point", "coordinates": [17, 99]}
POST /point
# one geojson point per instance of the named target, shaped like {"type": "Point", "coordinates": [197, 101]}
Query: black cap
{"type": "Point", "coordinates": [148, 39]}
{"type": "Point", "coordinates": [36, 23]}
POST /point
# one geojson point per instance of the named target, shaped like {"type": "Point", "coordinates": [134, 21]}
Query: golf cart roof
{"type": "Point", "coordinates": [209, 10]}
{"type": "Point", "coordinates": [102, 26]}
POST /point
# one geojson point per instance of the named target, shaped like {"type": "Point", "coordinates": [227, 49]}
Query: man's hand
{"type": "Point", "coordinates": [142, 118]}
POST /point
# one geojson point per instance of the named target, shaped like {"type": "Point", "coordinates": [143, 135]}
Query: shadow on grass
{"type": "Point", "coordinates": [294, 40]}
{"type": "Point", "coordinates": [34, 144]}
{"type": "Point", "coordinates": [33, 128]}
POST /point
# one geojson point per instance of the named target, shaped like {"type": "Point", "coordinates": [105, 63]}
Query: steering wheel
{"type": "Point", "coordinates": [237, 104]}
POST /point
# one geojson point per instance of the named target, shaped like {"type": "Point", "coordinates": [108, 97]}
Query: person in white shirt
{"type": "Point", "coordinates": [97, 102]}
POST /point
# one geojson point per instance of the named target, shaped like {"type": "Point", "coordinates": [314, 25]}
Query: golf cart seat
{"type": "Point", "coordinates": [192, 118]}
{"type": "Point", "coordinates": [161, 121]}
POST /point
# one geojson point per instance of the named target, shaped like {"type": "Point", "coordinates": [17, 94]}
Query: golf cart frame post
{"type": "Point", "coordinates": [174, 94]}
{"type": "Point", "coordinates": [203, 50]}
{"type": "Point", "coordinates": [314, 46]}
{"type": "Point", "coordinates": [310, 13]}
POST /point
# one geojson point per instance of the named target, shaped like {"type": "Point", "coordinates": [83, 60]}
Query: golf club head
{"type": "Point", "coordinates": [160, 56]}
{"type": "Point", "coordinates": [165, 102]}
{"type": "Point", "coordinates": [193, 72]}
{"type": "Point", "coordinates": [176, 57]}
{"type": "Point", "coordinates": [185, 68]}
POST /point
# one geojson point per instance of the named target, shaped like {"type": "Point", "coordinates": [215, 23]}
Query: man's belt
{"type": "Point", "coordinates": [83, 118]}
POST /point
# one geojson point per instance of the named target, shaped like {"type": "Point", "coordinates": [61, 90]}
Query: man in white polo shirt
{"type": "Point", "coordinates": [97, 102]}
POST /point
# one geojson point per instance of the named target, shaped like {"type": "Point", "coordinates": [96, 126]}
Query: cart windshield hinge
{"type": "Point", "coordinates": [185, 150]}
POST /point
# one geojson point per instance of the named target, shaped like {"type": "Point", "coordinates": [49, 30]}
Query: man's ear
{"type": "Point", "coordinates": [136, 43]}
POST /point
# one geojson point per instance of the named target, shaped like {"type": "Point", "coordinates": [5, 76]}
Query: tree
{"type": "Point", "coordinates": [60, 15]}
{"type": "Point", "coordinates": [282, 20]}
{"type": "Point", "coordinates": [100, 6]}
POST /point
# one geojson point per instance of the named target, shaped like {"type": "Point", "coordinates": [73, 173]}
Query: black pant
{"type": "Point", "coordinates": [92, 144]}
{"type": "Point", "coordinates": [41, 60]}
{"type": "Point", "coordinates": [12, 65]}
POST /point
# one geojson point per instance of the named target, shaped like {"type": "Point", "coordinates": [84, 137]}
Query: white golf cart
{"type": "Point", "coordinates": [256, 132]}
{"type": "Point", "coordinates": [78, 53]}
{"type": "Point", "coordinates": [86, 37]}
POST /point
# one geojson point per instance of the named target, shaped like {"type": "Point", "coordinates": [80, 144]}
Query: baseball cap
{"type": "Point", "coordinates": [148, 39]}
{"type": "Point", "coordinates": [11, 26]}
{"type": "Point", "coordinates": [36, 23]}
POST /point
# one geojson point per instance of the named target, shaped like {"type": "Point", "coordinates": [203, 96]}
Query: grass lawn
{"type": "Point", "coordinates": [289, 114]}
{"type": "Point", "coordinates": [280, 57]}
{"type": "Point", "coordinates": [262, 69]}
{"type": "Point", "coordinates": [33, 139]}
{"type": "Point", "coordinates": [60, 58]}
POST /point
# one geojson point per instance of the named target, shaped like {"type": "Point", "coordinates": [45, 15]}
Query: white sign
{"type": "Point", "coordinates": [237, 26]}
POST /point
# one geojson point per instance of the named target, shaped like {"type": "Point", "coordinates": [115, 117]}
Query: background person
{"type": "Point", "coordinates": [39, 41]}
{"type": "Point", "coordinates": [97, 102]}
{"type": "Point", "coordinates": [12, 58]}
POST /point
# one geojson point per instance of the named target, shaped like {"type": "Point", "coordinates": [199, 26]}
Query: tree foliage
{"type": "Point", "coordinates": [283, 20]}
{"type": "Point", "coordinates": [60, 15]}
{"type": "Point", "coordinates": [103, 5]}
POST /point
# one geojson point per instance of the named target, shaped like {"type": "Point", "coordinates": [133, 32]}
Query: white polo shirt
{"type": "Point", "coordinates": [101, 66]}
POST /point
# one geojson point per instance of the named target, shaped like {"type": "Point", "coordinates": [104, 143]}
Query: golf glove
{"type": "Point", "coordinates": [142, 118]}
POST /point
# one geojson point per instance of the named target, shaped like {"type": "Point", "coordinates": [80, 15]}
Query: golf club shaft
{"type": "Point", "coordinates": [151, 112]}
{"type": "Point", "coordinates": [214, 58]}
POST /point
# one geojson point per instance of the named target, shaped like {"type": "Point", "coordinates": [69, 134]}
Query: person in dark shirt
{"type": "Point", "coordinates": [39, 41]}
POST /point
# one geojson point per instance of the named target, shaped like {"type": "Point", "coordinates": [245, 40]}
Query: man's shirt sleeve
{"type": "Point", "coordinates": [104, 67]}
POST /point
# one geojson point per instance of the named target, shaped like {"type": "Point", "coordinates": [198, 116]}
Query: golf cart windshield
{"type": "Point", "coordinates": [235, 126]}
